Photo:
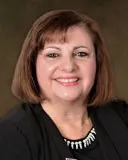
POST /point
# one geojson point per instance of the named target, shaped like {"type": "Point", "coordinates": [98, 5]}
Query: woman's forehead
{"type": "Point", "coordinates": [62, 36]}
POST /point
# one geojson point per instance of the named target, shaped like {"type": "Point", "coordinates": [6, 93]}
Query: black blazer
{"type": "Point", "coordinates": [28, 133]}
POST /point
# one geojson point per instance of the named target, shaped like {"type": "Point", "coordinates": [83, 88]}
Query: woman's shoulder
{"type": "Point", "coordinates": [20, 114]}
{"type": "Point", "coordinates": [119, 107]}
{"type": "Point", "coordinates": [19, 129]}
{"type": "Point", "coordinates": [23, 118]}
{"type": "Point", "coordinates": [19, 119]}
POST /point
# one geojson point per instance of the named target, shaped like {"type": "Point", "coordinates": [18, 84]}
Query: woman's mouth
{"type": "Point", "coordinates": [68, 81]}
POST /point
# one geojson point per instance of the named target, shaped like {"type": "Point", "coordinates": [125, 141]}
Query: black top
{"type": "Point", "coordinates": [28, 133]}
{"type": "Point", "coordinates": [87, 147]}
{"type": "Point", "coordinates": [93, 153]}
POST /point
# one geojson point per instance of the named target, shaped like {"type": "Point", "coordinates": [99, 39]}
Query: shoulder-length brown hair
{"type": "Point", "coordinates": [51, 26]}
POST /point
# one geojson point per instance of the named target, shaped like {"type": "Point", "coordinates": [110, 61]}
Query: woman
{"type": "Point", "coordinates": [69, 111]}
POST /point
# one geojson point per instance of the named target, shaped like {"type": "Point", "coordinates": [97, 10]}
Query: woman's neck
{"type": "Point", "coordinates": [72, 121]}
{"type": "Point", "coordinates": [66, 111]}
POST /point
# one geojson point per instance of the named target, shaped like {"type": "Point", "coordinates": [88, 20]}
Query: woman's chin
{"type": "Point", "coordinates": [68, 98]}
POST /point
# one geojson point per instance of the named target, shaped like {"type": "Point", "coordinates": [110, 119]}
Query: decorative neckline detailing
{"type": "Point", "coordinates": [84, 142]}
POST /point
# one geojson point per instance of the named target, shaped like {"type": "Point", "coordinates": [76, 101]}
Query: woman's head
{"type": "Point", "coordinates": [52, 27]}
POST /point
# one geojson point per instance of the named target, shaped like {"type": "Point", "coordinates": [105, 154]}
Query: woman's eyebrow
{"type": "Point", "coordinates": [77, 47]}
{"type": "Point", "coordinates": [54, 47]}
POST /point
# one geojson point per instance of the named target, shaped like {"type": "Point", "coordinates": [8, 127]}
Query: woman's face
{"type": "Point", "coordinates": [66, 71]}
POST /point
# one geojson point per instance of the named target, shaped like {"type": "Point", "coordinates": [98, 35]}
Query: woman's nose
{"type": "Point", "coordinates": [68, 65]}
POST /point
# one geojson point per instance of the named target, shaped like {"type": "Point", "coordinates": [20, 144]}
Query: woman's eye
{"type": "Point", "coordinates": [52, 55]}
{"type": "Point", "coordinates": [82, 54]}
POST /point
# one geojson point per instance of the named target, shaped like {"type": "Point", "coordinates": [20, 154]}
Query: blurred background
{"type": "Point", "coordinates": [17, 16]}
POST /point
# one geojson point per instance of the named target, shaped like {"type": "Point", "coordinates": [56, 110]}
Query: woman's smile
{"type": "Point", "coordinates": [66, 81]}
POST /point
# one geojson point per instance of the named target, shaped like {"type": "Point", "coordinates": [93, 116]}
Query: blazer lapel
{"type": "Point", "coordinates": [56, 138]}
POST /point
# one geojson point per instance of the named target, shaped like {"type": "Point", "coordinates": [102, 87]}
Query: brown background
{"type": "Point", "coordinates": [17, 16]}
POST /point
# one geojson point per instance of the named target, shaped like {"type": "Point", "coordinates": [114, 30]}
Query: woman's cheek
{"type": "Point", "coordinates": [52, 66]}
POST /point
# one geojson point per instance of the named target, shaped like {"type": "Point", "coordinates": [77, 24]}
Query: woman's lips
{"type": "Point", "coordinates": [68, 81]}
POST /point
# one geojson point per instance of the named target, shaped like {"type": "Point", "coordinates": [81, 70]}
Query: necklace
{"type": "Point", "coordinates": [84, 142]}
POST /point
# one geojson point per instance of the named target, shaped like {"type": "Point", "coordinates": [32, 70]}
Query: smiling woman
{"type": "Point", "coordinates": [68, 109]}
{"type": "Point", "coordinates": [52, 28]}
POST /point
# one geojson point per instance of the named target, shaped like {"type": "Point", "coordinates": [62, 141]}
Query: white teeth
{"type": "Point", "coordinates": [68, 80]}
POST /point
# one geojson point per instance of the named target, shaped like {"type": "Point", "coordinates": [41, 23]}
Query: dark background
{"type": "Point", "coordinates": [17, 16]}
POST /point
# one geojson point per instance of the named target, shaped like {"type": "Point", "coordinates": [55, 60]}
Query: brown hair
{"type": "Point", "coordinates": [45, 29]}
